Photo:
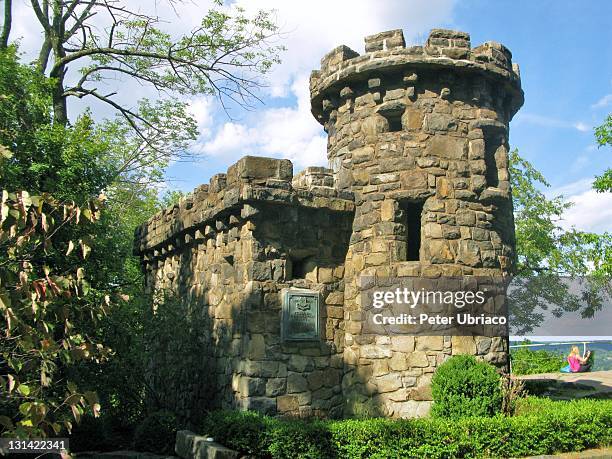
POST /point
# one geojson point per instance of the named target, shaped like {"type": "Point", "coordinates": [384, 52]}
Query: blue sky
{"type": "Point", "coordinates": [563, 49]}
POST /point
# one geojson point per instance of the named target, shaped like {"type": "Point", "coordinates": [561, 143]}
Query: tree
{"type": "Point", "coordinates": [41, 309]}
{"type": "Point", "coordinates": [547, 254]}
{"type": "Point", "coordinates": [603, 134]}
{"type": "Point", "coordinates": [223, 57]}
{"type": "Point", "coordinates": [69, 163]}
{"type": "Point", "coordinates": [62, 168]}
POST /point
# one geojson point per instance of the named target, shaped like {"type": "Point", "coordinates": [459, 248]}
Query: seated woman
{"type": "Point", "coordinates": [576, 363]}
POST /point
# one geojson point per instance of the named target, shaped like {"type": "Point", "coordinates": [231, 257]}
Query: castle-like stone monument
{"type": "Point", "coordinates": [417, 187]}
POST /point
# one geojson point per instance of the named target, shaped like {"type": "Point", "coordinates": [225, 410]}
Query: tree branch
{"type": "Point", "coordinates": [44, 20]}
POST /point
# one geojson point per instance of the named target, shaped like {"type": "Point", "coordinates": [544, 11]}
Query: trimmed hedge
{"type": "Point", "coordinates": [463, 386]}
{"type": "Point", "coordinates": [540, 427]}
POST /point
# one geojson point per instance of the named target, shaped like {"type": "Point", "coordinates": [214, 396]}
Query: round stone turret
{"type": "Point", "coordinates": [420, 135]}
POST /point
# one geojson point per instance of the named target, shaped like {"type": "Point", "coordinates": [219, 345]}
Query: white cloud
{"type": "Point", "coordinates": [309, 31]}
{"type": "Point", "coordinates": [284, 132]}
{"type": "Point", "coordinates": [603, 102]}
{"type": "Point", "coordinates": [582, 127]}
{"type": "Point", "coordinates": [546, 121]}
{"type": "Point", "coordinates": [591, 211]}
{"type": "Point", "coordinates": [201, 108]}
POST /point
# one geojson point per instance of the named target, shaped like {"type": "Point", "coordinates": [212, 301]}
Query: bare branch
{"type": "Point", "coordinates": [42, 18]}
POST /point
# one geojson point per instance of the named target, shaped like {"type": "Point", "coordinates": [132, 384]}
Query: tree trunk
{"type": "Point", "coordinates": [43, 56]}
{"type": "Point", "coordinates": [6, 26]}
{"type": "Point", "coordinates": [60, 109]}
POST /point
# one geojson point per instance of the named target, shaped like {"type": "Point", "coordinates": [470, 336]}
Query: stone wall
{"type": "Point", "coordinates": [227, 251]}
{"type": "Point", "coordinates": [418, 186]}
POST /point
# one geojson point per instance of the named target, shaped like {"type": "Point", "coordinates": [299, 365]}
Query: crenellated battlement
{"type": "Point", "coordinates": [212, 208]}
{"type": "Point", "coordinates": [387, 54]}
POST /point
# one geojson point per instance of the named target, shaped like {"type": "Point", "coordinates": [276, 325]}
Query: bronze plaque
{"type": "Point", "coordinates": [300, 320]}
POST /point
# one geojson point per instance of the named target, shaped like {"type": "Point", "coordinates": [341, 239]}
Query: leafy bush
{"type": "Point", "coordinates": [528, 362]}
{"type": "Point", "coordinates": [540, 427]}
{"type": "Point", "coordinates": [462, 386]}
{"type": "Point", "coordinates": [243, 431]}
{"type": "Point", "coordinates": [262, 436]}
{"type": "Point", "coordinates": [305, 440]}
{"type": "Point", "coordinates": [157, 433]}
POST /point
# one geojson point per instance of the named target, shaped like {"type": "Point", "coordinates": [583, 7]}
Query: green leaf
{"type": "Point", "coordinates": [6, 422]}
{"type": "Point", "coordinates": [24, 408]}
{"type": "Point", "coordinates": [23, 390]}
{"type": "Point", "coordinates": [71, 387]}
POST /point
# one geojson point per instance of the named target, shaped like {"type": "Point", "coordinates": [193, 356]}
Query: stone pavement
{"type": "Point", "coordinates": [602, 453]}
{"type": "Point", "coordinates": [567, 386]}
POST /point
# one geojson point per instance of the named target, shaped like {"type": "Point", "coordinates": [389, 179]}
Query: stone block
{"type": "Point", "coordinates": [287, 403]}
{"type": "Point", "coordinates": [388, 383]}
{"type": "Point", "coordinates": [316, 379]}
{"type": "Point", "coordinates": [249, 387]}
{"type": "Point", "coordinates": [385, 40]}
{"type": "Point", "coordinates": [256, 347]}
{"type": "Point", "coordinates": [439, 122]}
{"type": "Point", "coordinates": [218, 182]}
{"type": "Point", "coordinates": [413, 180]}
{"type": "Point", "coordinates": [463, 345]}
{"type": "Point", "coordinates": [421, 393]}
{"type": "Point", "coordinates": [275, 387]}
{"type": "Point", "coordinates": [339, 54]}
{"type": "Point", "coordinates": [296, 383]}
{"type": "Point", "coordinates": [257, 168]}
{"type": "Point", "coordinates": [468, 253]}
{"type": "Point", "coordinates": [191, 446]}
{"type": "Point", "coordinates": [403, 343]}
{"type": "Point", "coordinates": [417, 359]}
{"type": "Point", "coordinates": [372, 351]}
{"type": "Point", "coordinates": [264, 405]}
{"type": "Point", "coordinates": [398, 362]}
{"type": "Point", "coordinates": [430, 343]}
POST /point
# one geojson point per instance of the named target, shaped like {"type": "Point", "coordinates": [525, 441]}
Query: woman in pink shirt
{"type": "Point", "coordinates": [575, 361]}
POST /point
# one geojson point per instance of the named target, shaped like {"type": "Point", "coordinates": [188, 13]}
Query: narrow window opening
{"type": "Point", "coordinates": [412, 217]}
{"type": "Point", "coordinates": [298, 268]}
{"type": "Point", "coordinates": [395, 121]}
{"type": "Point", "coordinates": [492, 141]}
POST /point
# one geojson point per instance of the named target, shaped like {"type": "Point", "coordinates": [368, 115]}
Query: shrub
{"type": "Point", "coordinates": [527, 362]}
{"type": "Point", "coordinates": [262, 436]}
{"type": "Point", "coordinates": [462, 386]}
{"type": "Point", "coordinates": [541, 426]}
{"type": "Point", "coordinates": [157, 433]}
{"type": "Point", "coordinates": [299, 439]}
{"type": "Point", "coordinates": [244, 431]}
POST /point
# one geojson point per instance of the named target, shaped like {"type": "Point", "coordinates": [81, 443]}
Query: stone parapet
{"type": "Point", "coordinates": [251, 179]}
{"type": "Point", "coordinates": [386, 53]}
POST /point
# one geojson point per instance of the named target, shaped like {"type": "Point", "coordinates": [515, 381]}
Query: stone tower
{"type": "Point", "coordinates": [420, 136]}
{"type": "Point", "coordinates": [267, 269]}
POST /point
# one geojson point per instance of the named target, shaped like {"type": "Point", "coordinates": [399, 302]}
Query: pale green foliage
{"type": "Point", "coordinates": [224, 56]}
{"type": "Point", "coordinates": [547, 252]}
{"type": "Point", "coordinates": [603, 135]}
